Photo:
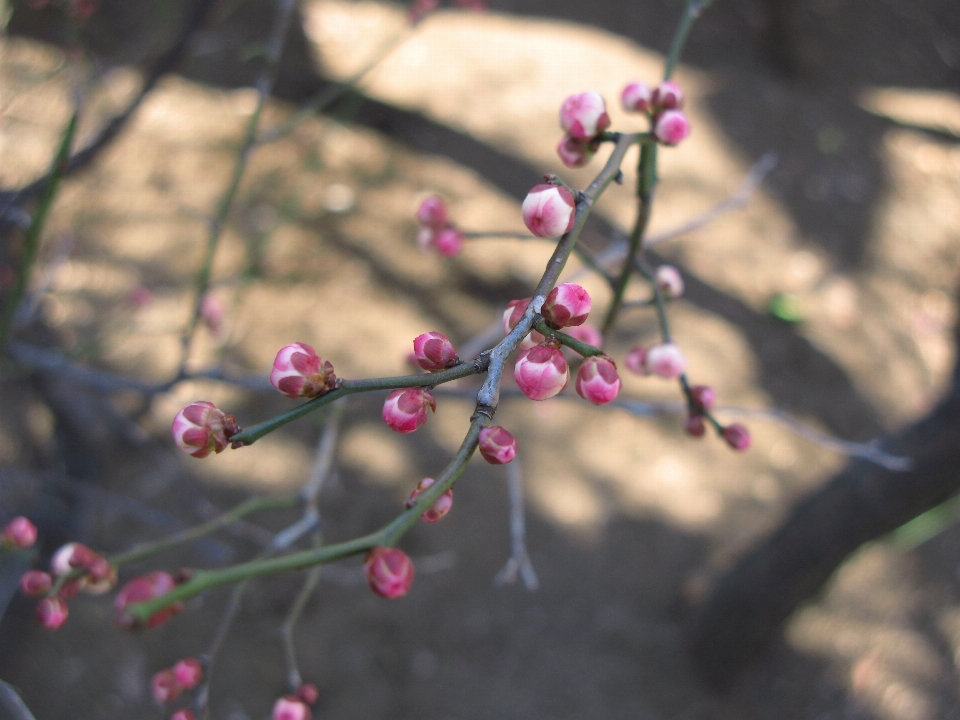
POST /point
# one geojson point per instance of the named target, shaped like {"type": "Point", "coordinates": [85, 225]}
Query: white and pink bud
{"type": "Point", "coordinates": [389, 572]}
{"type": "Point", "coordinates": [549, 210]}
{"type": "Point", "coordinates": [19, 533]}
{"type": "Point", "coordinates": [666, 360]}
{"type": "Point", "coordinates": [290, 707]}
{"type": "Point", "coordinates": [575, 153]}
{"type": "Point", "coordinates": [586, 334]}
{"type": "Point", "coordinates": [201, 428]}
{"type": "Point", "coordinates": [567, 304]}
{"type": "Point", "coordinates": [704, 396]}
{"type": "Point", "coordinates": [497, 446]}
{"type": "Point", "coordinates": [695, 425]}
{"type": "Point", "coordinates": [405, 409]}
{"type": "Point", "coordinates": [35, 583]}
{"type": "Point", "coordinates": [512, 315]}
{"type": "Point", "coordinates": [636, 360]}
{"type": "Point", "coordinates": [433, 212]}
{"type": "Point", "coordinates": [667, 96]}
{"type": "Point", "coordinates": [441, 505]}
{"type": "Point", "coordinates": [298, 372]}
{"type": "Point", "coordinates": [183, 714]}
{"type": "Point", "coordinates": [541, 372]}
{"type": "Point", "coordinates": [434, 352]}
{"type": "Point", "coordinates": [164, 687]}
{"type": "Point", "coordinates": [584, 116]}
{"type": "Point", "coordinates": [670, 127]}
{"type": "Point", "coordinates": [141, 589]}
{"type": "Point", "coordinates": [669, 281]}
{"type": "Point", "coordinates": [737, 436]}
{"type": "Point", "coordinates": [449, 241]}
{"type": "Point", "coordinates": [52, 612]}
{"type": "Point", "coordinates": [597, 380]}
{"type": "Point", "coordinates": [188, 672]}
{"type": "Point", "coordinates": [636, 97]}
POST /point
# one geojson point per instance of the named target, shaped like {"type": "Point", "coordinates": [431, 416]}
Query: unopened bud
{"type": "Point", "coordinates": [433, 351]}
{"type": "Point", "coordinates": [432, 212]}
{"type": "Point", "coordinates": [575, 153]}
{"type": "Point", "coordinates": [671, 126]}
{"type": "Point", "coordinates": [34, 583]}
{"type": "Point", "coordinates": [449, 241]}
{"type": "Point", "coordinates": [704, 396]}
{"type": "Point", "coordinates": [439, 508]}
{"type": "Point", "coordinates": [668, 96]}
{"type": "Point", "coordinates": [567, 304]}
{"type": "Point", "coordinates": [737, 436]}
{"type": "Point", "coordinates": [597, 380]}
{"type": "Point", "coordinates": [666, 360]}
{"type": "Point", "coordinates": [141, 589]}
{"type": "Point", "coordinates": [405, 409]}
{"type": "Point", "coordinates": [541, 372]}
{"type": "Point", "coordinates": [636, 97]}
{"type": "Point", "coordinates": [389, 572]}
{"type": "Point", "coordinates": [669, 281]}
{"type": "Point", "coordinates": [636, 360]}
{"type": "Point", "coordinates": [201, 428]}
{"type": "Point", "coordinates": [19, 533]}
{"type": "Point", "coordinates": [584, 116]}
{"type": "Point", "coordinates": [549, 211]}
{"type": "Point", "coordinates": [188, 673]}
{"type": "Point", "coordinates": [298, 372]}
{"type": "Point", "coordinates": [165, 687]}
{"type": "Point", "coordinates": [694, 425]}
{"type": "Point", "coordinates": [307, 693]}
{"type": "Point", "coordinates": [52, 612]}
{"type": "Point", "coordinates": [497, 446]}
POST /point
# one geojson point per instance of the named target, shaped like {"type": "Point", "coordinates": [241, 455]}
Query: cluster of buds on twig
{"type": "Point", "coordinates": [663, 105]}
{"type": "Point", "coordinates": [435, 230]}
{"type": "Point", "coordinates": [583, 118]}
{"type": "Point", "coordinates": [170, 683]}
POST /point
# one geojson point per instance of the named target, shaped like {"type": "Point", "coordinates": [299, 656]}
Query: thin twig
{"type": "Point", "coordinates": [12, 705]}
{"type": "Point", "coordinates": [519, 561]}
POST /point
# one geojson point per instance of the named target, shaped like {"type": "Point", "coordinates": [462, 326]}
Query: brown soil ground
{"type": "Point", "coordinates": [629, 520]}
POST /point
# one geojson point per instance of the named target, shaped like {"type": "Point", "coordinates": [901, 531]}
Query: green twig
{"type": "Point", "coordinates": [690, 14]}
{"type": "Point", "coordinates": [579, 347]}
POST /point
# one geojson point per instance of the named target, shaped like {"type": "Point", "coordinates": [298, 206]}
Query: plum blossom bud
{"type": "Point", "coordinates": [389, 572]}
{"type": "Point", "coordinates": [290, 707]}
{"type": "Point", "coordinates": [597, 380]}
{"type": "Point", "coordinates": [420, 9]}
{"type": "Point", "coordinates": [584, 116]}
{"type": "Point", "coordinates": [575, 153]}
{"type": "Point", "coordinates": [432, 212]}
{"type": "Point", "coordinates": [60, 561]}
{"type": "Point", "coordinates": [165, 687]}
{"type": "Point", "coordinates": [666, 360]}
{"type": "Point", "coordinates": [737, 436]}
{"type": "Point", "coordinates": [298, 372]}
{"type": "Point", "coordinates": [668, 96]}
{"type": "Point", "coordinates": [586, 334]}
{"type": "Point", "coordinates": [497, 446]}
{"type": "Point", "coordinates": [201, 428]}
{"type": "Point", "coordinates": [541, 372]}
{"type": "Point", "coordinates": [19, 533]}
{"type": "Point", "coordinates": [669, 281]}
{"type": "Point", "coordinates": [704, 396]}
{"type": "Point", "coordinates": [670, 127]}
{"type": "Point", "coordinates": [549, 210]}
{"type": "Point", "coordinates": [52, 612]}
{"type": "Point", "coordinates": [636, 97]}
{"type": "Point", "coordinates": [34, 583]}
{"type": "Point", "coordinates": [141, 589]}
{"type": "Point", "coordinates": [434, 352]}
{"type": "Point", "coordinates": [188, 673]}
{"type": "Point", "coordinates": [636, 360]}
{"type": "Point", "coordinates": [212, 312]}
{"type": "Point", "coordinates": [514, 313]}
{"type": "Point", "coordinates": [449, 241]}
{"type": "Point", "coordinates": [307, 693]}
{"type": "Point", "coordinates": [567, 304]}
{"type": "Point", "coordinates": [439, 508]}
{"type": "Point", "coordinates": [183, 714]}
{"type": "Point", "coordinates": [405, 409]}
{"type": "Point", "coordinates": [695, 426]}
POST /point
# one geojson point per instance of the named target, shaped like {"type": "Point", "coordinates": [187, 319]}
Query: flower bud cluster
{"type": "Point", "coordinates": [663, 105]}
{"type": "Point", "coordinates": [169, 684]}
{"type": "Point", "coordinates": [583, 118]}
{"type": "Point", "coordinates": [435, 230]}
{"type": "Point", "coordinates": [441, 506]}
{"type": "Point", "coordinates": [389, 572]}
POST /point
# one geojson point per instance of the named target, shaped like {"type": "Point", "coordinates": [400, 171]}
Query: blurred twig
{"type": "Point", "coordinates": [12, 705]}
{"type": "Point", "coordinates": [519, 561]}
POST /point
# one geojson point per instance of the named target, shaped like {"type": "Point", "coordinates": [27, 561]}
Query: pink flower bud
{"type": "Point", "coordinates": [298, 372]}
{"type": "Point", "coordinates": [671, 126]}
{"type": "Point", "coordinates": [307, 693]}
{"type": "Point", "coordinates": [434, 352]}
{"type": "Point", "coordinates": [183, 714]}
{"type": "Point", "coordinates": [636, 360]}
{"type": "Point", "coordinates": [586, 334]}
{"type": "Point", "coordinates": [575, 153]}
{"type": "Point", "coordinates": [141, 589]}
{"type": "Point", "coordinates": [584, 116]}
{"type": "Point", "coordinates": [201, 427]}
{"type": "Point", "coordinates": [737, 436]}
{"type": "Point", "coordinates": [188, 673]}
{"type": "Point", "coordinates": [669, 281]}
{"type": "Point", "coordinates": [212, 312]}
{"type": "Point", "coordinates": [567, 304]}
{"type": "Point", "coordinates": [60, 561]}
{"type": "Point", "coordinates": [549, 210]}
{"type": "Point", "coordinates": [514, 313]}
{"type": "Point", "coordinates": [597, 380]}
{"type": "Point", "coordinates": [420, 9]}
{"type": "Point", "coordinates": [704, 396]}
{"type": "Point", "coordinates": [668, 96]}
{"type": "Point", "coordinates": [695, 426]}
{"type": "Point", "coordinates": [34, 583]}
{"type": "Point", "coordinates": [52, 612]}
{"type": "Point", "coordinates": [165, 687]}
{"type": "Point", "coordinates": [449, 242]}
{"type": "Point", "coordinates": [406, 409]}
{"type": "Point", "coordinates": [439, 508]}
{"type": "Point", "coordinates": [497, 446]}
{"type": "Point", "coordinates": [19, 533]}
{"type": "Point", "coordinates": [432, 212]}
{"type": "Point", "coordinates": [389, 572]}
{"type": "Point", "coordinates": [541, 372]}
{"type": "Point", "coordinates": [636, 97]}
{"type": "Point", "coordinates": [666, 360]}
